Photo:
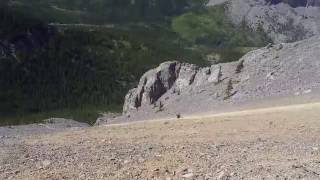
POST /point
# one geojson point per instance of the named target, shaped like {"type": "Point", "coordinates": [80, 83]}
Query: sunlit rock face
{"type": "Point", "coordinates": [296, 3]}
{"type": "Point", "coordinates": [279, 20]}
{"type": "Point", "coordinates": [313, 3]}
{"type": "Point", "coordinates": [292, 3]}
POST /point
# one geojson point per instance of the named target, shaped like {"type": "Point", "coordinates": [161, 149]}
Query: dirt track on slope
{"type": "Point", "coordinates": [272, 143]}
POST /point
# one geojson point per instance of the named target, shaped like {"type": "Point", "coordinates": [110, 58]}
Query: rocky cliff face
{"type": "Point", "coordinates": [296, 3]}
{"type": "Point", "coordinates": [292, 3]}
{"type": "Point", "coordinates": [274, 71]}
{"type": "Point", "coordinates": [170, 77]}
{"type": "Point", "coordinates": [282, 22]}
{"type": "Point", "coordinates": [313, 3]}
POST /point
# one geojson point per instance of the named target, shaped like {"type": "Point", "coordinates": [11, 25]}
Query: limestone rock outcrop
{"type": "Point", "coordinates": [276, 70]}
{"type": "Point", "coordinates": [169, 76]}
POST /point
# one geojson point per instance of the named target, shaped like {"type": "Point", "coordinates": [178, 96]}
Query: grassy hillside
{"type": "Point", "coordinates": [104, 11]}
{"type": "Point", "coordinates": [211, 30]}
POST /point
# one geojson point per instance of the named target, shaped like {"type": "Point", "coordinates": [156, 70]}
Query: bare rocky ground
{"type": "Point", "coordinates": [12, 137]}
{"type": "Point", "coordinates": [272, 143]}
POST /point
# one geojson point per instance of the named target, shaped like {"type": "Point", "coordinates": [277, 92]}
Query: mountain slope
{"type": "Point", "coordinates": [280, 142]}
{"type": "Point", "coordinates": [174, 88]}
{"type": "Point", "coordinates": [101, 11]}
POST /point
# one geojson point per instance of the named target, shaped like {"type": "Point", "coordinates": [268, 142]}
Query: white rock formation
{"type": "Point", "coordinates": [278, 70]}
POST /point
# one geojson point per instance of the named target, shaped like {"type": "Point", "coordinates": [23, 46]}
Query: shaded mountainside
{"type": "Point", "coordinates": [44, 68]}
{"type": "Point", "coordinates": [103, 11]}
{"type": "Point", "coordinates": [63, 70]}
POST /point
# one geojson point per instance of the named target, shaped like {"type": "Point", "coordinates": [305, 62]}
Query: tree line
{"type": "Point", "coordinates": [106, 11]}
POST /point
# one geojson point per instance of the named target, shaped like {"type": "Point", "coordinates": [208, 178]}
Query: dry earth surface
{"type": "Point", "coordinates": [270, 143]}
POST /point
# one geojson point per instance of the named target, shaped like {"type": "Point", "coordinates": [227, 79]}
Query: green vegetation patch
{"type": "Point", "coordinates": [211, 30]}
{"type": "Point", "coordinates": [104, 11]}
{"type": "Point", "coordinates": [86, 114]}
{"type": "Point", "coordinates": [212, 27]}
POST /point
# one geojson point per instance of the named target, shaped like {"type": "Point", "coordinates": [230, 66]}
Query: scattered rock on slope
{"type": "Point", "coordinates": [47, 126]}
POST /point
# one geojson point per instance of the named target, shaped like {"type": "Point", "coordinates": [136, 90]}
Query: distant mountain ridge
{"type": "Point", "coordinates": [103, 11]}
{"type": "Point", "coordinates": [281, 20]}
{"type": "Point", "coordinates": [296, 3]}
{"type": "Point", "coordinates": [292, 3]}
